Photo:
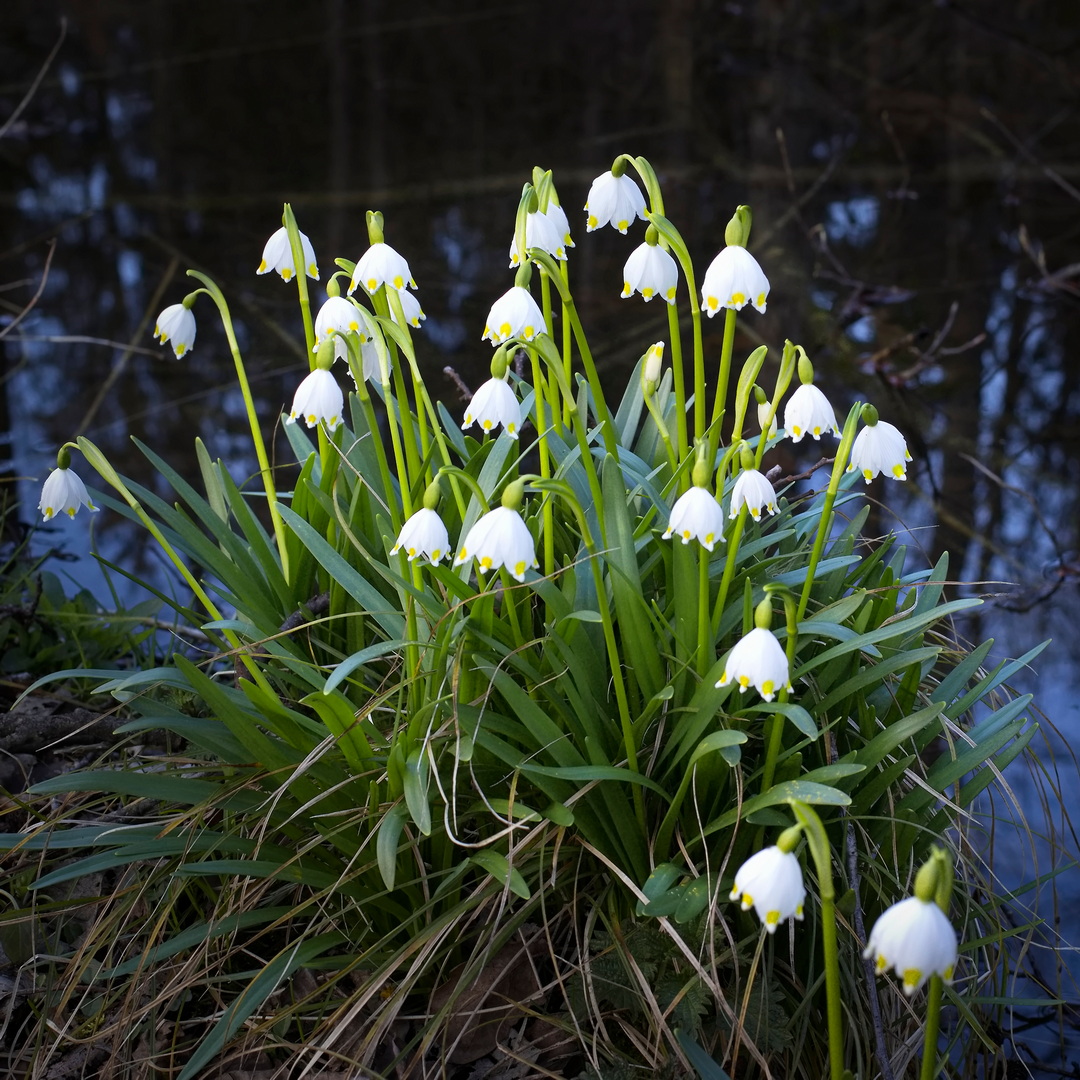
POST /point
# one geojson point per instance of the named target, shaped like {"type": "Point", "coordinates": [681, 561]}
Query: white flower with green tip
{"type": "Point", "coordinates": [752, 490]}
{"type": "Point", "coordinates": [757, 660]}
{"type": "Point", "coordinates": [879, 448]}
{"type": "Point", "coordinates": [696, 514]}
{"type": "Point", "coordinates": [381, 265]}
{"type": "Point", "coordinates": [514, 315]}
{"type": "Point", "coordinates": [423, 536]}
{"type": "Point", "coordinates": [63, 493]}
{"type": "Point", "coordinates": [733, 280]}
{"type": "Point", "coordinates": [500, 538]}
{"type": "Point", "coordinates": [176, 324]}
{"type": "Point", "coordinates": [915, 938]}
{"type": "Point", "coordinates": [317, 398]}
{"type": "Point", "coordinates": [614, 200]}
{"type": "Point", "coordinates": [771, 882]}
{"type": "Point", "coordinates": [277, 255]}
{"type": "Point", "coordinates": [808, 412]}
{"type": "Point", "coordinates": [494, 404]}
{"type": "Point", "coordinates": [651, 271]}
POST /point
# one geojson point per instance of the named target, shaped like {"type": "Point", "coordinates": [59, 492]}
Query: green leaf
{"type": "Point", "coordinates": [497, 866]}
{"type": "Point", "coordinates": [416, 781]}
{"type": "Point", "coordinates": [386, 842]}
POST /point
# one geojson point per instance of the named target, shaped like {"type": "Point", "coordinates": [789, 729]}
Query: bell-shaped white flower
{"type": "Point", "coordinates": [651, 271]}
{"type": "Point", "coordinates": [557, 216]}
{"type": "Point", "coordinates": [540, 232]}
{"type": "Point", "coordinates": [381, 265]}
{"type": "Point", "coordinates": [277, 255]}
{"type": "Point", "coordinates": [340, 315]}
{"type": "Point", "coordinates": [494, 404]}
{"type": "Point", "coordinates": [176, 324]}
{"type": "Point", "coordinates": [410, 308]}
{"type": "Point", "coordinates": [614, 200]}
{"type": "Point", "coordinates": [514, 315]}
{"type": "Point", "coordinates": [423, 536]}
{"type": "Point", "coordinates": [808, 412]}
{"type": "Point", "coordinates": [916, 940]}
{"type": "Point", "coordinates": [764, 410]}
{"type": "Point", "coordinates": [771, 882]}
{"type": "Point", "coordinates": [63, 493]}
{"type": "Point", "coordinates": [734, 280]}
{"type": "Point", "coordinates": [757, 660]}
{"type": "Point", "coordinates": [879, 448]}
{"type": "Point", "coordinates": [317, 398]}
{"type": "Point", "coordinates": [752, 490]}
{"type": "Point", "coordinates": [696, 514]}
{"type": "Point", "coordinates": [500, 538]}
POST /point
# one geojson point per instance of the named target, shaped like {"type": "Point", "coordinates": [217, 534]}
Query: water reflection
{"type": "Point", "coordinates": [911, 169]}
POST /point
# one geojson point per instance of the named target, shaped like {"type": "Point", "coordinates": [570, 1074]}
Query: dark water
{"type": "Point", "coordinates": [913, 170]}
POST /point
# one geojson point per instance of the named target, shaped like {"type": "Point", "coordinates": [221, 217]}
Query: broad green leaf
{"type": "Point", "coordinates": [386, 842]}
{"type": "Point", "coordinates": [506, 875]}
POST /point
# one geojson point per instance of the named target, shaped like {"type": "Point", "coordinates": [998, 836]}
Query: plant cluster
{"type": "Point", "coordinates": [560, 663]}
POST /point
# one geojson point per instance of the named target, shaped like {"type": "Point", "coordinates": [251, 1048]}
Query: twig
{"type": "Point", "coordinates": [36, 297]}
{"type": "Point", "coordinates": [37, 81]}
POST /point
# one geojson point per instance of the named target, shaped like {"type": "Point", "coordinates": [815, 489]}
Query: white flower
{"type": "Point", "coordinates": [734, 280]}
{"type": "Point", "coordinates": [696, 513]}
{"type": "Point", "coordinates": [763, 411]}
{"type": "Point", "coordinates": [317, 398]}
{"type": "Point", "coordinates": [616, 200]}
{"type": "Point", "coordinates": [757, 660]}
{"type": "Point", "coordinates": [277, 255]}
{"type": "Point", "coordinates": [410, 308]}
{"type": "Point", "coordinates": [651, 271]}
{"type": "Point", "coordinates": [808, 412]}
{"type": "Point", "coordinates": [771, 882]}
{"type": "Point", "coordinates": [493, 404]}
{"type": "Point", "coordinates": [541, 231]}
{"type": "Point", "coordinates": [500, 538]}
{"type": "Point", "coordinates": [176, 324]}
{"type": "Point", "coordinates": [380, 265]}
{"type": "Point", "coordinates": [424, 534]}
{"type": "Point", "coordinates": [63, 493]}
{"type": "Point", "coordinates": [916, 940]}
{"type": "Point", "coordinates": [753, 490]}
{"type": "Point", "coordinates": [879, 448]}
{"type": "Point", "coordinates": [557, 215]}
{"type": "Point", "coordinates": [338, 314]}
{"type": "Point", "coordinates": [514, 315]}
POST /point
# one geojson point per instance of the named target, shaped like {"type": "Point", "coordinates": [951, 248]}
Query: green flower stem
{"type": "Point", "coordinates": [265, 470]}
{"type": "Point", "coordinates": [545, 455]}
{"type": "Point", "coordinates": [678, 381]}
{"type": "Point", "coordinates": [818, 844]}
{"type": "Point", "coordinates": [105, 470]}
{"type": "Point", "coordinates": [404, 339]}
{"type": "Point", "coordinates": [607, 426]}
{"type": "Point", "coordinates": [724, 377]}
{"type": "Point", "coordinates": [510, 607]}
{"type": "Point", "coordinates": [362, 392]}
{"type": "Point", "coordinates": [929, 1068]}
{"type": "Point", "coordinates": [300, 266]}
{"type": "Point", "coordinates": [392, 416]}
{"type": "Point", "coordinates": [776, 721]}
{"type": "Point", "coordinates": [665, 435]}
{"type": "Point", "coordinates": [825, 521]}
{"type": "Point", "coordinates": [706, 655]}
{"type": "Point", "coordinates": [733, 542]}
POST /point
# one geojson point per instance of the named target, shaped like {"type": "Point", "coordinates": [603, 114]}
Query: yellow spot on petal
{"type": "Point", "coordinates": [399, 282]}
{"type": "Point", "coordinates": [737, 298]}
{"type": "Point", "coordinates": [286, 273]}
{"type": "Point", "coordinates": [817, 432]}
{"type": "Point", "coordinates": [622, 226]}
{"type": "Point", "coordinates": [912, 978]}
{"type": "Point", "coordinates": [485, 562]}
{"type": "Point", "coordinates": [868, 475]}
{"type": "Point", "coordinates": [462, 555]}
{"type": "Point", "coordinates": [372, 284]}
{"type": "Point", "coordinates": [592, 221]}
{"type": "Point", "coordinates": [686, 534]}
{"type": "Point", "coordinates": [436, 555]}
{"type": "Point", "coordinates": [670, 294]}
{"type": "Point", "coordinates": [354, 325]}
{"type": "Point", "coordinates": [734, 894]}
{"type": "Point", "coordinates": [505, 330]}
{"type": "Point", "coordinates": [747, 902]}
{"type": "Point", "coordinates": [712, 303]}
{"type": "Point", "coordinates": [744, 681]}
{"type": "Point", "coordinates": [528, 333]}
{"type": "Point", "coordinates": [71, 511]}
{"type": "Point", "coordinates": [47, 512]}
{"type": "Point", "coordinates": [511, 428]}
{"type": "Point", "coordinates": [262, 267]}
{"type": "Point", "coordinates": [626, 290]}
{"type": "Point", "coordinates": [313, 270]}
{"type": "Point", "coordinates": [760, 300]}
{"type": "Point", "coordinates": [180, 350]}
{"type": "Point", "coordinates": [880, 964]}
{"type": "Point", "coordinates": [312, 419]}
{"type": "Point", "coordinates": [899, 472]}
{"type": "Point", "coordinates": [709, 537]}
{"type": "Point", "coordinates": [647, 292]}
{"type": "Point", "coordinates": [486, 425]}
{"type": "Point", "coordinates": [767, 688]}
{"type": "Point", "coordinates": [519, 569]}
{"type": "Point", "coordinates": [772, 918]}
{"type": "Point", "coordinates": [796, 430]}
{"type": "Point", "coordinates": [412, 553]}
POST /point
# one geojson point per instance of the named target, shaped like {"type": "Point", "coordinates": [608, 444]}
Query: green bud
{"type": "Point", "coordinates": [702, 466]}
{"type": "Point", "coordinates": [324, 358]}
{"type": "Point", "coordinates": [189, 300]}
{"type": "Point", "coordinates": [618, 166]}
{"type": "Point", "coordinates": [869, 415]}
{"type": "Point", "coordinates": [737, 233]}
{"type": "Point", "coordinates": [332, 287]}
{"type": "Point", "coordinates": [513, 495]}
{"type": "Point", "coordinates": [63, 458]}
{"type": "Point", "coordinates": [650, 370]}
{"type": "Point", "coordinates": [524, 275]}
{"type": "Point", "coordinates": [375, 227]}
{"type": "Point", "coordinates": [763, 614]}
{"type": "Point", "coordinates": [788, 840]}
{"type": "Point", "coordinates": [806, 369]}
{"type": "Point", "coordinates": [652, 236]}
{"type": "Point", "coordinates": [746, 456]}
{"type": "Point", "coordinates": [432, 494]}
{"type": "Point", "coordinates": [760, 396]}
{"type": "Point", "coordinates": [534, 201]}
{"type": "Point", "coordinates": [499, 363]}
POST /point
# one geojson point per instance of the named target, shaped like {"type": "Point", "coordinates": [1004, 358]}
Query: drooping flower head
{"type": "Point", "coordinates": [277, 255]}
{"type": "Point", "coordinates": [696, 514]}
{"type": "Point", "coordinates": [879, 448]}
{"type": "Point", "coordinates": [614, 200]}
{"type": "Point", "coordinates": [338, 317]}
{"type": "Point", "coordinates": [500, 538]}
{"type": "Point", "coordinates": [650, 271]}
{"type": "Point", "coordinates": [317, 398]}
{"type": "Point", "coordinates": [733, 280]}
{"type": "Point", "coordinates": [757, 660]}
{"type": "Point", "coordinates": [514, 315]}
{"type": "Point", "coordinates": [494, 404]}
{"type": "Point", "coordinates": [541, 231]}
{"type": "Point", "coordinates": [753, 490]}
{"type": "Point", "coordinates": [63, 492]}
{"type": "Point", "coordinates": [381, 265]}
{"type": "Point", "coordinates": [771, 882]}
{"type": "Point", "coordinates": [557, 216]}
{"type": "Point", "coordinates": [914, 937]}
{"type": "Point", "coordinates": [808, 412]}
{"type": "Point", "coordinates": [410, 309]}
{"type": "Point", "coordinates": [423, 536]}
{"type": "Point", "coordinates": [177, 324]}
